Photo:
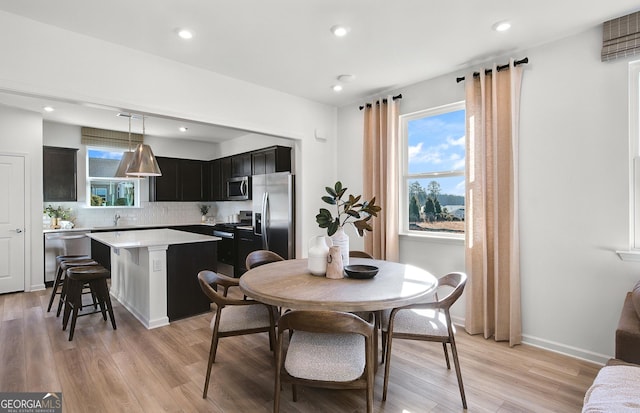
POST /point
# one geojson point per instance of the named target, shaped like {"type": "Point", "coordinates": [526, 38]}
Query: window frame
{"type": "Point", "coordinates": [405, 177]}
{"type": "Point", "coordinates": [89, 179]}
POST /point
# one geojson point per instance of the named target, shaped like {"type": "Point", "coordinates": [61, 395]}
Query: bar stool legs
{"type": "Point", "coordinates": [60, 275]}
{"type": "Point", "coordinates": [77, 277]}
{"type": "Point", "coordinates": [64, 266]}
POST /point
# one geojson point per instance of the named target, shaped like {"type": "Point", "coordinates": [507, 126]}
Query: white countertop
{"type": "Point", "coordinates": [123, 227]}
{"type": "Point", "coordinates": [148, 238]}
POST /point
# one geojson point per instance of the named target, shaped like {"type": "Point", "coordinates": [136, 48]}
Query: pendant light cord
{"type": "Point", "coordinates": [129, 132]}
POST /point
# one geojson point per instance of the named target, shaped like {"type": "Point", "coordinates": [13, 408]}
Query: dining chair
{"type": "Point", "coordinates": [429, 321]}
{"type": "Point", "coordinates": [327, 349]}
{"type": "Point", "coordinates": [233, 317]}
{"type": "Point", "coordinates": [261, 257]}
{"type": "Point", "coordinates": [359, 254]}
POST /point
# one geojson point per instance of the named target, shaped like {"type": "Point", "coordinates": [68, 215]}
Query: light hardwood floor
{"type": "Point", "coordinates": [137, 370]}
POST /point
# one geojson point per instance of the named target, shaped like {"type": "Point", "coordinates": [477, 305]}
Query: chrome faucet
{"type": "Point", "coordinates": [116, 218]}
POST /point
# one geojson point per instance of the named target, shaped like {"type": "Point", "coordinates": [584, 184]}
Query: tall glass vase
{"type": "Point", "coordinates": [341, 239]}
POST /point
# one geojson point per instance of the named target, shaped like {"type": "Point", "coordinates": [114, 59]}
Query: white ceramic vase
{"type": "Point", "coordinates": [318, 252]}
{"type": "Point", "coordinates": [341, 239]}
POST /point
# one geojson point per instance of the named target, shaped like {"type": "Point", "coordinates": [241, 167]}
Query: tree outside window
{"type": "Point", "coordinates": [434, 170]}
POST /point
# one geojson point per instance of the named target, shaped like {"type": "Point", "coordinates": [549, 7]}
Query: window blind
{"type": "Point", "coordinates": [109, 138]}
{"type": "Point", "coordinates": [621, 37]}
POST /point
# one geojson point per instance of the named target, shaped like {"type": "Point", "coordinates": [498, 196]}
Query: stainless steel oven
{"type": "Point", "coordinates": [225, 249]}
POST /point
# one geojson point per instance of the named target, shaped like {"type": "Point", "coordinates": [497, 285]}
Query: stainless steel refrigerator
{"type": "Point", "coordinates": [273, 212]}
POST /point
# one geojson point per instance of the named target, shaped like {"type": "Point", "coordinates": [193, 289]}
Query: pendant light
{"type": "Point", "coordinates": [143, 163]}
{"type": "Point", "coordinates": [126, 159]}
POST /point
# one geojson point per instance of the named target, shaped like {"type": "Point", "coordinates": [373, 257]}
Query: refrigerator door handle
{"type": "Point", "coordinates": [264, 224]}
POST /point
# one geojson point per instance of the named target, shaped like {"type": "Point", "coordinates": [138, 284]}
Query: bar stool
{"type": "Point", "coordinates": [64, 266]}
{"type": "Point", "coordinates": [59, 275]}
{"type": "Point", "coordinates": [96, 276]}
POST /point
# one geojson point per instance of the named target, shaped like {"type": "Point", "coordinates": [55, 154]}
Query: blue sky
{"type": "Point", "coordinates": [105, 154]}
{"type": "Point", "coordinates": [436, 143]}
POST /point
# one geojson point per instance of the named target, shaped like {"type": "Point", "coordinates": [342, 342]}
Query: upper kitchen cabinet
{"type": "Point", "coordinates": [181, 180]}
{"type": "Point", "coordinates": [214, 180]}
{"type": "Point", "coordinates": [59, 167]}
{"type": "Point", "coordinates": [165, 187]}
{"type": "Point", "coordinates": [271, 160]}
{"type": "Point", "coordinates": [191, 180]}
{"type": "Point", "coordinates": [241, 165]}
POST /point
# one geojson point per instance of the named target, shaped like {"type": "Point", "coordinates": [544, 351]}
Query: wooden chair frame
{"type": "Point", "coordinates": [359, 254]}
{"type": "Point", "coordinates": [456, 280]}
{"type": "Point", "coordinates": [209, 281]}
{"type": "Point", "coordinates": [324, 322]}
{"type": "Point", "coordinates": [261, 257]}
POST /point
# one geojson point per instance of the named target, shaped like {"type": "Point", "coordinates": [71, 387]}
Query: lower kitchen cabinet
{"type": "Point", "coordinates": [246, 242]}
{"type": "Point", "coordinates": [101, 253]}
{"type": "Point", "coordinates": [184, 261]}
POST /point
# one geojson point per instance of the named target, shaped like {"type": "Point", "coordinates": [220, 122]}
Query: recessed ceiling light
{"type": "Point", "coordinates": [336, 88]}
{"type": "Point", "coordinates": [48, 109]}
{"type": "Point", "coordinates": [501, 26]}
{"type": "Point", "coordinates": [183, 129]}
{"type": "Point", "coordinates": [185, 34]}
{"type": "Point", "coordinates": [340, 31]}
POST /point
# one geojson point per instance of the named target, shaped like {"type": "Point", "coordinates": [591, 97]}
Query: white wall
{"type": "Point", "coordinates": [574, 192]}
{"type": "Point", "coordinates": [44, 60]}
{"type": "Point", "coordinates": [21, 135]}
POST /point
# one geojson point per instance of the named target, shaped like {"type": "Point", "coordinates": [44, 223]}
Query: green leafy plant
{"type": "Point", "coordinates": [204, 209]}
{"type": "Point", "coordinates": [59, 212]}
{"type": "Point", "coordinates": [348, 211]}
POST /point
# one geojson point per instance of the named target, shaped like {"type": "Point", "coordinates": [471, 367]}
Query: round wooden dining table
{"type": "Point", "coordinates": [289, 284]}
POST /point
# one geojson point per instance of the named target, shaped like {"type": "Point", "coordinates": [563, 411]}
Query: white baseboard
{"type": "Point", "coordinates": [560, 348]}
{"type": "Point", "coordinates": [571, 351]}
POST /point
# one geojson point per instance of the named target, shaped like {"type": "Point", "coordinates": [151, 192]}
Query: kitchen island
{"type": "Point", "coordinates": [154, 272]}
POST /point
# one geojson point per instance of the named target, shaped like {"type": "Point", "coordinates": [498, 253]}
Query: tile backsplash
{"type": "Point", "coordinates": [151, 213]}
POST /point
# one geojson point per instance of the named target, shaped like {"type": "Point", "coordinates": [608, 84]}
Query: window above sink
{"type": "Point", "coordinates": [103, 188]}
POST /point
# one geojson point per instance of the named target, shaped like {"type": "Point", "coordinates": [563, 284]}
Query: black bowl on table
{"type": "Point", "coordinates": [361, 271]}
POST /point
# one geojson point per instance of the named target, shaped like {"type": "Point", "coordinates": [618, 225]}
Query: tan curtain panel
{"type": "Point", "coordinates": [380, 174]}
{"type": "Point", "coordinates": [109, 138]}
{"type": "Point", "coordinates": [492, 240]}
{"type": "Point", "coordinates": [621, 37]}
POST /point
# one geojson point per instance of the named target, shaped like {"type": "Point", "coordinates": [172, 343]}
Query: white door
{"type": "Point", "coordinates": [12, 239]}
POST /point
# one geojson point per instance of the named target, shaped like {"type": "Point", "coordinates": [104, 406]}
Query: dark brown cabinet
{"type": "Point", "coordinates": [245, 243]}
{"type": "Point", "coordinates": [271, 160]}
{"type": "Point", "coordinates": [241, 165]}
{"type": "Point", "coordinates": [184, 261]}
{"type": "Point", "coordinates": [213, 183]}
{"type": "Point", "coordinates": [191, 180]}
{"type": "Point", "coordinates": [181, 180]}
{"type": "Point", "coordinates": [59, 170]}
{"type": "Point", "coordinates": [165, 187]}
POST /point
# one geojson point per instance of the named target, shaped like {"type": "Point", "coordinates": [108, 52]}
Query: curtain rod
{"type": "Point", "coordinates": [368, 105]}
{"type": "Point", "coordinates": [502, 67]}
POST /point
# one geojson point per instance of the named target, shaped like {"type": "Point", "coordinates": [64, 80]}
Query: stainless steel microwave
{"type": "Point", "coordinates": [238, 188]}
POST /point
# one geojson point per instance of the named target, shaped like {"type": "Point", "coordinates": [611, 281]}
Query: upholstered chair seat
{"type": "Point", "coordinates": [330, 357]}
{"type": "Point", "coordinates": [245, 317]}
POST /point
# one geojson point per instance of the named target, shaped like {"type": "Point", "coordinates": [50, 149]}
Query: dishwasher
{"type": "Point", "coordinates": [63, 243]}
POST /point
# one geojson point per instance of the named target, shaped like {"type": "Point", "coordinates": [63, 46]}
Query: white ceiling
{"type": "Point", "coordinates": [286, 44]}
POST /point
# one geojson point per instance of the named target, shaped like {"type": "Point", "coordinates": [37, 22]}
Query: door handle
{"type": "Point", "coordinates": [18, 230]}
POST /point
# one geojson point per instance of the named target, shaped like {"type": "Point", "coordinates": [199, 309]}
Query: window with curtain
{"type": "Point", "coordinates": [103, 189]}
{"type": "Point", "coordinates": [433, 202]}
